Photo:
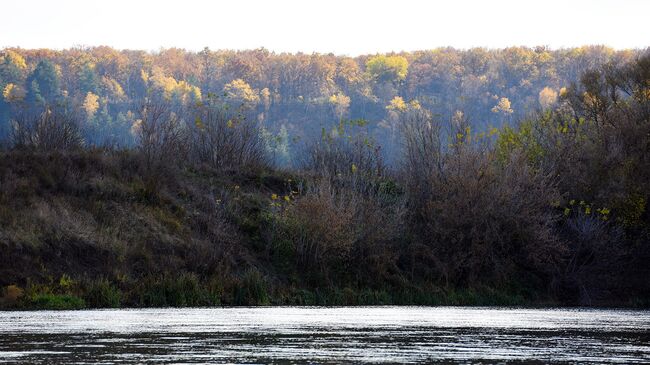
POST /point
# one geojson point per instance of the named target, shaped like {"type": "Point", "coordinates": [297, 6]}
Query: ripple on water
{"type": "Point", "coordinates": [326, 335]}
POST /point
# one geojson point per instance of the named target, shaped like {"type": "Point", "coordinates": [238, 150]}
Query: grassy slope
{"type": "Point", "coordinates": [89, 215]}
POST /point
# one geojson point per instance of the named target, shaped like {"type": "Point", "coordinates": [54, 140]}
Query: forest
{"type": "Point", "coordinates": [515, 176]}
{"type": "Point", "coordinates": [294, 96]}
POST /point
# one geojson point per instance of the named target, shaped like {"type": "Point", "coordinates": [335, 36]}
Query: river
{"type": "Point", "coordinates": [326, 335]}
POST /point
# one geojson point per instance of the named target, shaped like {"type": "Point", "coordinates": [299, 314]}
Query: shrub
{"type": "Point", "coordinates": [56, 301]}
{"type": "Point", "coordinates": [102, 294]}
{"type": "Point", "coordinates": [319, 228]}
{"type": "Point", "coordinates": [477, 221]}
{"type": "Point", "coordinates": [345, 152]}
{"type": "Point", "coordinates": [251, 290]}
{"type": "Point", "coordinates": [13, 293]}
{"type": "Point", "coordinates": [594, 256]}
{"type": "Point", "coordinates": [223, 140]}
{"type": "Point", "coordinates": [11, 296]}
{"type": "Point", "coordinates": [183, 290]}
{"type": "Point", "coordinates": [162, 140]}
{"type": "Point", "coordinates": [51, 130]}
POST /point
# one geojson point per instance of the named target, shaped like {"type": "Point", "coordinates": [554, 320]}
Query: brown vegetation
{"type": "Point", "coordinates": [551, 210]}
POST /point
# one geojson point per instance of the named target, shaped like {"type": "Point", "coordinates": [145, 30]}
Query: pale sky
{"type": "Point", "coordinates": [338, 26]}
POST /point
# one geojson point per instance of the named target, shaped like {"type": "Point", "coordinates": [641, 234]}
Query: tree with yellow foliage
{"type": "Point", "coordinates": [387, 68]}
{"type": "Point", "coordinates": [348, 74]}
{"type": "Point", "coordinates": [13, 93]}
{"type": "Point", "coordinates": [547, 97]}
{"type": "Point", "coordinates": [341, 103]}
{"type": "Point", "coordinates": [161, 83]}
{"type": "Point", "coordinates": [241, 92]}
{"type": "Point", "coordinates": [112, 89]}
{"type": "Point", "coordinates": [169, 88]}
{"type": "Point", "coordinates": [397, 104]}
{"type": "Point", "coordinates": [503, 107]}
{"type": "Point", "coordinates": [90, 105]}
{"type": "Point", "coordinates": [186, 93]}
{"type": "Point", "coordinates": [12, 67]}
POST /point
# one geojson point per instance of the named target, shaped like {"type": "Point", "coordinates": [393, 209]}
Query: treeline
{"type": "Point", "coordinates": [294, 95]}
{"type": "Point", "coordinates": [550, 210]}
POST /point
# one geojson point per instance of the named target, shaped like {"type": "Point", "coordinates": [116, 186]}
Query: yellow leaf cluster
{"type": "Point", "coordinates": [397, 104]}
{"type": "Point", "coordinates": [241, 91]}
{"type": "Point", "coordinates": [503, 106]}
{"type": "Point", "coordinates": [13, 93]}
{"type": "Point", "coordinates": [90, 104]}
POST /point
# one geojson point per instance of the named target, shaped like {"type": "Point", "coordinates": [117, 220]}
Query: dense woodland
{"type": "Point", "coordinates": [294, 96]}
{"type": "Point", "coordinates": [513, 176]}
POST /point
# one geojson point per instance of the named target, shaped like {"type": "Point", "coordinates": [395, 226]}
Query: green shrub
{"type": "Point", "coordinates": [56, 301]}
{"type": "Point", "coordinates": [102, 294]}
{"type": "Point", "coordinates": [251, 290]}
{"type": "Point", "coordinates": [183, 290]}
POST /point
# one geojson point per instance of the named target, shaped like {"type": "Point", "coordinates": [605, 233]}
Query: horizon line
{"type": "Point", "coordinates": [305, 52]}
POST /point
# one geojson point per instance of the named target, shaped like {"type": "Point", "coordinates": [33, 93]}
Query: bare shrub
{"type": "Point", "coordinates": [595, 254]}
{"type": "Point", "coordinates": [349, 161]}
{"type": "Point", "coordinates": [353, 191]}
{"type": "Point", "coordinates": [50, 130]}
{"type": "Point", "coordinates": [223, 140]}
{"type": "Point", "coordinates": [342, 154]}
{"type": "Point", "coordinates": [423, 153]}
{"type": "Point", "coordinates": [321, 230]}
{"type": "Point", "coordinates": [481, 220]}
{"type": "Point", "coordinates": [162, 139]}
{"type": "Point", "coordinates": [337, 235]}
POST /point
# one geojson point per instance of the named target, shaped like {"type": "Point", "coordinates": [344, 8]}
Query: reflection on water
{"type": "Point", "coordinates": [326, 335]}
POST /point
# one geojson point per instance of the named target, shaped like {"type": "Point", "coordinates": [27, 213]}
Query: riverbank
{"type": "Point", "coordinates": [186, 291]}
{"type": "Point", "coordinates": [88, 230]}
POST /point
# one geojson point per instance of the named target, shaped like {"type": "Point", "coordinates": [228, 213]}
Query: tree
{"type": "Point", "coordinates": [265, 97]}
{"type": "Point", "coordinates": [112, 89]}
{"type": "Point", "coordinates": [387, 68]}
{"type": "Point", "coordinates": [90, 105]}
{"type": "Point", "coordinates": [503, 107]}
{"type": "Point", "coordinates": [547, 97]}
{"type": "Point", "coordinates": [348, 74]}
{"type": "Point", "coordinates": [43, 83]}
{"type": "Point", "coordinates": [12, 67]}
{"type": "Point", "coordinates": [341, 103]}
{"type": "Point", "coordinates": [239, 91]}
{"type": "Point", "coordinates": [162, 84]}
{"type": "Point", "coordinates": [88, 79]}
{"type": "Point", "coordinates": [169, 89]}
{"type": "Point", "coordinates": [397, 104]}
{"type": "Point", "coordinates": [209, 69]}
{"type": "Point", "coordinates": [162, 140]}
{"type": "Point", "coordinates": [186, 93]}
{"type": "Point", "coordinates": [13, 93]}
{"type": "Point", "coordinates": [277, 145]}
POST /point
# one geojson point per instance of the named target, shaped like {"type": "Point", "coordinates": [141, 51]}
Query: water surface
{"type": "Point", "coordinates": [326, 335]}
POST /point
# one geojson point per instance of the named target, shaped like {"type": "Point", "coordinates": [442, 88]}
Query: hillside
{"type": "Point", "coordinates": [195, 210]}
